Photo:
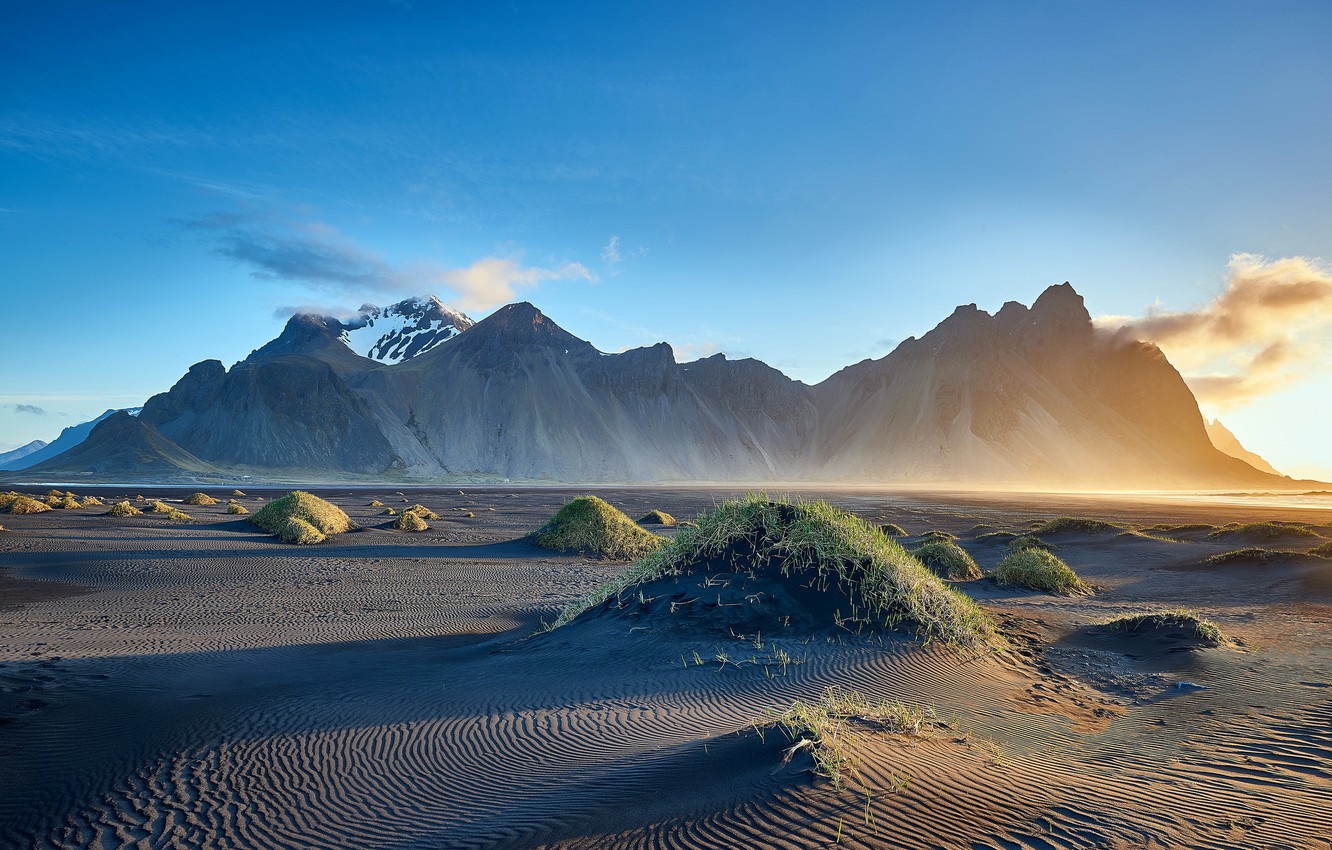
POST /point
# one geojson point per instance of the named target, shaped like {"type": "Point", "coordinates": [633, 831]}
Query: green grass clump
{"type": "Point", "coordinates": [656, 518]}
{"type": "Point", "coordinates": [833, 729]}
{"type": "Point", "coordinates": [1188, 621]}
{"type": "Point", "coordinates": [1028, 541]}
{"type": "Point", "coordinates": [200, 499]}
{"type": "Point", "coordinates": [1040, 570]}
{"type": "Point", "coordinates": [936, 536]}
{"type": "Point", "coordinates": [177, 515]}
{"type": "Point", "coordinates": [124, 509]}
{"type": "Point", "coordinates": [1324, 551]}
{"type": "Point", "coordinates": [1075, 525]}
{"type": "Point", "coordinates": [1251, 554]}
{"type": "Point", "coordinates": [411, 521]}
{"type": "Point", "coordinates": [325, 517]}
{"type": "Point", "coordinates": [948, 560]}
{"type": "Point", "coordinates": [389, 512]}
{"type": "Point", "coordinates": [27, 505]}
{"type": "Point", "coordinates": [296, 530]}
{"type": "Point", "coordinates": [90, 502]}
{"type": "Point", "coordinates": [892, 529]}
{"type": "Point", "coordinates": [801, 538]}
{"type": "Point", "coordinates": [1264, 530]}
{"type": "Point", "coordinates": [237, 509]}
{"type": "Point", "coordinates": [591, 526]}
{"type": "Point", "coordinates": [376, 504]}
{"type": "Point", "coordinates": [66, 503]}
{"type": "Point", "coordinates": [159, 507]}
{"type": "Point", "coordinates": [422, 511]}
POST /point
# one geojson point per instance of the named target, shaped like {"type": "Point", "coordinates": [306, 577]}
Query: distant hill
{"type": "Point", "coordinates": [1028, 397]}
{"type": "Point", "coordinates": [68, 439]}
{"type": "Point", "coordinates": [21, 452]}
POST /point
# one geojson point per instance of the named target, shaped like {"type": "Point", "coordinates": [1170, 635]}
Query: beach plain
{"type": "Point", "coordinates": [168, 683]}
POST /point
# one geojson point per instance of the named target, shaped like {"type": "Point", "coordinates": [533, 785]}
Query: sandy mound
{"type": "Point", "coordinates": [1075, 525]}
{"type": "Point", "coordinates": [947, 560]}
{"type": "Point", "coordinates": [411, 521]}
{"type": "Point", "coordinates": [755, 565]}
{"type": "Point", "coordinates": [591, 526]}
{"type": "Point", "coordinates": [1265, 532]}
{"type": "Point", "coordinates": [200, 499]}
{"type": "Point", "coordinates": [124, 509]}
{"type": "Point", "coordinates": [656, 518]}
{"type": "Point", "coordinates": [295, 515]}
{"type": "Point", "coordinates": [1167, 630]}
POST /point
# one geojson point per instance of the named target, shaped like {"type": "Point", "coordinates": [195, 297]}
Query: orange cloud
{"type": "Point", "coordinates": [1268, 328]}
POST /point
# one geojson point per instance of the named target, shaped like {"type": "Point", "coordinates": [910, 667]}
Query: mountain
{"type": "Point", "coordinates": [404, 330]}
{"type": "Point", "coordinates": [21, 452]}
{"type": "Point", "coordinates": [124, 445]}
{"type": "Point", "coordinates": [68, 439]}
{"type": "Point", "coordinates": [1227, 442]}
{"type": "Point", "coordinates": [1030, 397]}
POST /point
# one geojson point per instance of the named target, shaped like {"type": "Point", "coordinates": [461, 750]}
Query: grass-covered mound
{"type": "Point", "coordinates": [833, 729]}
{"type": "Point", "coordinates": [936, 536]}
{"type": "Point", "coordinates": [759, 565]}
{"type": "Point", "coordinates": [159, 507]}
{"type": "Point", "coordinates": [1324, 551]}
{"type": "Point", "coordinates": [237, 493]}
{"type": "Point", "coordinates": [892, 529]}
{"type": "Point", "coordinates": [1075, 525]}
{"type": "Point", "coordinates": [67, 502]}
{"type": "Point", "coordinates": [376, 504]}
{"type": "Point", "coordinates": [297, 530]}
{"type": "Point", "coordinates": [591, 526]}
{"type": "Point", "coordinates": [91, 502]}
{"type": "Point", "coordinates": [389, 512]}
{"type": "Point", "coordinates": [1176, 625]}
{"type": "Point", "coordinates": [1252, 555]}
{"type": "Point", "coordinates": [124, 509]}
{"type": "Point", "coordinates": [26, 505]}
{"type": "Point", "coordinates": [237, 509]}
{"type": "Point", "coordinates": [177, 515]}
{"type": "Point", "coordinates": [1028, 541]}
{"type": "Point", "coordinates": [1039, 569]}
{"type": "Point", "coordinates": [323, 517]}
{"type": "Point", "coordinates": [947, 560]}
{"type": "Point", "coordinates": [1263, 531]}
{"type": "Point", "coordinates": [656, 518]}
{"type": "Point", "coordinates": [411, 521]}
{"type": "Point", "coordinates": [200, 499]}
{"type": "Point", "coordinates": [422, 511]}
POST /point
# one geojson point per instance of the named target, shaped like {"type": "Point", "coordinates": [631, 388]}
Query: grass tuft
{"type": "Point", "coordinates": [892, 529]}
{"type": "Point", "coordinates": [411, 521]}
{"type": "Point", "coordinates": [656, 518]}
{"type": "Point", "coordinates": [833, 730]}
{"type": "Point", "coordinates": [936, 536]}
{"type": "Point", "coordinates": [1028, 541]}
{"type": "Point", "coordinates": [1264, 530]}
{"type": "Point", "coordinates": [947, 560]}
{"type": "Point", "coordinates": [1324, 551]}
{"type": "Point", "coordinates": [422, 511]}
{"type": "Point", "coordinates": [591, 526]}
{"type": "Point", "coordinates": [376, 504]}
{"type": "Point", "coordinates": [200, 499]}
{"type": "Point", "coordinates": [237, 493]}
{"type": "Point", "coordinates": [177, 515]}
{"type": "Point", "coordinates": [27, 505]}
{"type": "Point", "coordinates": [324, 517]}
{"type": "Point", "coordinates": [91, 502]}
{"type": "Point", "coordinates": [124, 509]}
{"type": "Point", "coordinates": [159, 507]}
{"type": "Point", "coordinates": [1188, 621]}
{"type": "Point", "coordinates": [296, 530]}
{"type": "Point", "coordinates": [1040, 570]}
{"type": "Point", "coordinates": [821, 545]}
{"type": "Point", "coordinates": [237, 509]}
{"type": "Point", "coordinates": [1251, 554]}
{"type": "Point", "coordinates": [1075, 525]}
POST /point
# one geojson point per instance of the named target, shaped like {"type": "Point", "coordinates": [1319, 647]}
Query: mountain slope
{"type": "Point", "coordinates": [68, 439]}
{"type": "Point", "coordinates": [125, 447]}
{"type": "Point", "coordinates": [1227, 442]}
{"type": "Point", "coordinates": [21, 452]}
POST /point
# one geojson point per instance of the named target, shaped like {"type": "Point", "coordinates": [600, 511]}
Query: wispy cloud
{"type": "Point", "coordinates": [319, 256]}
{"type": "Point", "coordinates": [30, 408]}
{"type": "Point", "coordinates": [613, 256]}
{"type": "Point", "coordinates": [1269, 327]}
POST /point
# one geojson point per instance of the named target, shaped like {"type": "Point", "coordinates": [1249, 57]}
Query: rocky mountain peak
{"type": "Point", "coordinates": [403, 330]}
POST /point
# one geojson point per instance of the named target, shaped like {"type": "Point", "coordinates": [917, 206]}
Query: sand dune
{"type": "Point", "coordinates": [204, 686]}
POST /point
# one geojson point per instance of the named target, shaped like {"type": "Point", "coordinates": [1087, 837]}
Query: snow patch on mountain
{"type": "Point", "coordinates": [404, 330]}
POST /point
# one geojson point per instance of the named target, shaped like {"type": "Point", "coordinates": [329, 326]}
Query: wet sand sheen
{"type": "Point", "coordinates": [217, 689]}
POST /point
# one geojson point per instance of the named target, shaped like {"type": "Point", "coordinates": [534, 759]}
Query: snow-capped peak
{"type": "Point", "coordinates": [401, 331]}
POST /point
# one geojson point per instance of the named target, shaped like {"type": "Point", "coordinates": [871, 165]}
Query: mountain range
{"type": "Point", "coordinates": [418, 393]}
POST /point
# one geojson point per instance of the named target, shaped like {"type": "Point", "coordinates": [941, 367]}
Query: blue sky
{"type": "Point", "coordinates": [804, 183]}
